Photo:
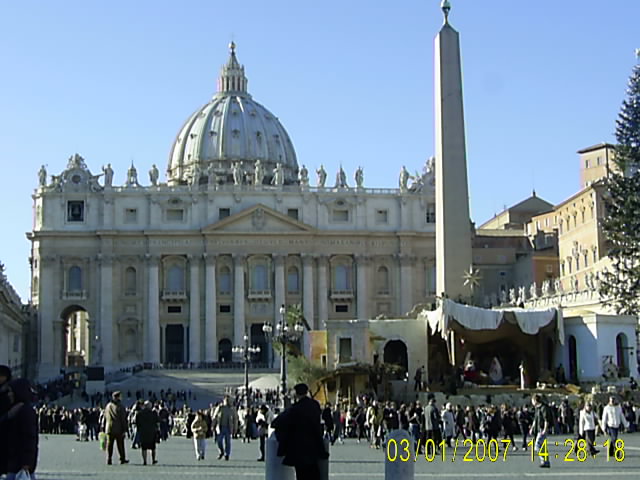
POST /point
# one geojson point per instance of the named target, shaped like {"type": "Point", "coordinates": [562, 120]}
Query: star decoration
{"type": "Point", "coordinates": [472, 277]}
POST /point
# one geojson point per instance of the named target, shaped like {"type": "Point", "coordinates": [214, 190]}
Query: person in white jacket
{"type": "Point", "coordinates": [587, 427]}
{"type": "Point", "coordinates": [612, 419]}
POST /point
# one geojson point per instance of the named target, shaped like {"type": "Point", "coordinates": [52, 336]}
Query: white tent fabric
{"type": "Point", "coordinates": [474, 318]}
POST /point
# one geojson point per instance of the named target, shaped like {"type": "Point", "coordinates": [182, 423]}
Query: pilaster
{"type": "Point", "coordinates": [210, 328]}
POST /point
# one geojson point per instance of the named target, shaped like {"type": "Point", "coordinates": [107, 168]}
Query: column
{"type": "Point", "coordinates": [194, 310]}
{"type": "Point", "coordinates": [106, 309]}
{"type": "Point", "coordinates": [210, 327]}
{"type": "Point", "coordinates": [362, 265]}
{"type": "Point", "coordinates": [406, 283]}
{"type": "Point", "coordinates": [323, 293]}
{"type": "Point", "coordinates": [307, 290]}
{"type": "Point", "coordinates": [238, 299]}
{"type": "Point", "coordinates": [153, 312]}
{"type": "Point", "coordinates": [46, 292]}
{"type": "Point", "coordinates": [279, 295]}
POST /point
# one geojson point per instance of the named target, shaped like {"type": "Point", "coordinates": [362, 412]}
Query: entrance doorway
{"type": "Point", "coordinates": [224, 350]}
{"type": "Point", "coordinates": [395, 353]}
{"type": "Point", "coordinates": [76, 339]}
{"type": "Point", "coordinates": [257, 338]}
{"type": "Point", "coordinates": [573, 359]}
{"type": "Point", "coordinates": [174, 346]}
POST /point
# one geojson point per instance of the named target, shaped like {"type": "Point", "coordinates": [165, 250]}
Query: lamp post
{"type": "Point", "coordinates": [283, 334]}
{"type": "Point", "coordinates": [246, 351]}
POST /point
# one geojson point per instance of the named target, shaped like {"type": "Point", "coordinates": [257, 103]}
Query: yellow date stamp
{"type": "Point", "coordinates": [480, 451]}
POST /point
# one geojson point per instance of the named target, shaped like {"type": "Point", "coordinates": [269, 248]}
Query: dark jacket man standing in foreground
{"type": "Point", "coordinates": [299, 433]}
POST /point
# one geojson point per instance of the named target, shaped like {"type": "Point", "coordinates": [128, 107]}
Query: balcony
{"type": "Point", "coordinates": [174, 295]}
{"type": "Point", "coordinates": [341, 294]}
{"type": "Point", "coordinates": [74, 295]}
{"type": "Point", "coordinates": [259, 294]}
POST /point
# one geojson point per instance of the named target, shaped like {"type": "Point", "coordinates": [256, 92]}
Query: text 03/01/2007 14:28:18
{"type": "Point", "coordinates": [490, 451]}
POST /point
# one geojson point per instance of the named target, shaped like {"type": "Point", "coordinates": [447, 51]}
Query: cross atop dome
{"type": "Point", "coordinates": [446, 8]}
{"type": "Point", "coordinates": [232, 78]}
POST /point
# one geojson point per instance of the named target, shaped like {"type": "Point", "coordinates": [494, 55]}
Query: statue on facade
{"type": "Point", "coordinates": [522, 295]}
{"type": "Point", "coordinates": [403, 180]}
{"type": "Point", "coordinates": [359, 177]}
{"type": "Point", "coordinates": [493, 298]}
{"type": "Point", "coordinates": [341, 179]}
{"type": "Point", "coordinates": [278, 175]}
{"type": "Point", "coordinates": [258, 173]}
{"type": "Point", "coordinates": [546, 288]}
{"type": "Point", "coordinates": [512, 296]}
{"type": "Point", "coordinates": [132, 176]}
{"type": "Point", "coordinates": [597, 280]}
{"type": "Point", "coordinates": [153, 175]}
{"type": "Point", "coordinates": [195, 175]}
{"type": "Point", "coordinates": [211, 174]}
{"type": "Point", "coordinates": [237, 173]}
{"type": "Point", "coordinates": [304, 176]}
{"type": "Point", "coordinates": [503, 297]}
{"type": "Point", "coordinates": [42, 176]}
{"type": "Point", "coordinates": [108, 175]}
{"type": "Point", "coordinates": [322, 176]}
{"type": "Point", "coordinates": [557, 286]}
{"type": "Point", "coordinates": [533, 291]}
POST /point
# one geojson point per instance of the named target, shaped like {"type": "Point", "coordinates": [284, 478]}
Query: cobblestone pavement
{"type": "Point", "coordinates": [62, 458]}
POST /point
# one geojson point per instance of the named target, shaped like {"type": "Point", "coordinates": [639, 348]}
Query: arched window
{"type": "Point", "coordinates": [382, 280]}
{"type": "Point", "coordinates": [259, 280]}
{"type": "Point", "coordinates": [175, 279]}
{"type": "Point", "coordinates": [130, 281]}
{"type": "Point", "coordinates": [342, 277]}
{"type": "Point", "coordinates": [293, 280]}
{"type": "Point", "coordinates": [224, 280]}
{"type": "Point", "coordinates": [74, 280]}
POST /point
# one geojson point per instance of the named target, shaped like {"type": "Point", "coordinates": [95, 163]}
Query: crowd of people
{"type": "Point", "coordinates": [153, 417]}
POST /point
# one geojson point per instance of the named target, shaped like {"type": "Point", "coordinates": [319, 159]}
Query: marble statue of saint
{"type": "Point", "coordinates": [359, 177]}
{"type": "Point", "coordinates": [304, 176]}
{"type": "Point", "coordinates": [558, 286]}
{"type": "Point", "coordinates": [132, 176]}
{"type": "Point", "coordinates": [108, 175]}
{"type": "Point", "coordinates": [533, 290]}
{"type": "Point", "coordinates": [258, 173]}
{"type": "Point", "coordinates": [546, 288]}
{"type": "Point", "coordinates": [42, 176]}
{"type": "Point", "coordinates": [278, 175]}
{"type": "Point", "coordinates": [522, 294]}
{"type": "Point", "coordinates": [341, 178]}
{"type": "Point", "coordinates": [237, 173]}
{"type": "Point", "coordinates": [153, 175]}
{"type": "Point", "coordinates": [403, 180]}
{"type": "Point", "coordinates": [503, 297]}
{"type": "Point", "coordinates": [512, 296]}
{"type": "Point", "coordinates": [322, 176]}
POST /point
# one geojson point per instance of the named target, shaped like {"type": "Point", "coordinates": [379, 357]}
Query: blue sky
{"type": "Point", "coordinates": [352, 82]}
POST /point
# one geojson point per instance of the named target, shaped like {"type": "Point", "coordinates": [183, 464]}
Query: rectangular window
{"type": "Point", "coordinates": [549, 268]}
{"type": "Point", "coordinates": [340, 215]}
{"type": "Point", "coordinates": [223, 213]}
{"type": "Point", "coordinates": [130, 215]}
{"type": "Point", "coordinates": [225, 309]}
{"type": "Point", "coordinates": [174, 309]}
{"type": "Point", "coordinates": [344, 350]}
{"type": "Point", "coordinates": [175, 215]}
{"type": "Point", "coordinates": [293, 213]}
{"type": "Point", "coordinates": [382, 216]}
{"type": "Point", "coordinates": [341, 308]}
{"type": "Point", "coordinates": [586, 163]}
{"type": "Point", "coordinates": [16, 343]}
{"type": "Point", "coordinates": [75, 211]}
{"type": "Point", "coordinates": [431, 213]}
{"type": "Point", "coordinates": [323, 361]}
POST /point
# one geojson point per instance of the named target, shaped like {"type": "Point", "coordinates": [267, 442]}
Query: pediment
{"type": "Point", "coordinates": [258, 219]}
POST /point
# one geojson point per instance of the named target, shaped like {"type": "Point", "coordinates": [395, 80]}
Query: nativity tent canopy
{"type": "Point", "coordinates": [481, 325]}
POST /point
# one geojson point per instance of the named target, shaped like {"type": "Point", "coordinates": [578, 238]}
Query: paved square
{"type": "Point", "coordinates": [62, 458]}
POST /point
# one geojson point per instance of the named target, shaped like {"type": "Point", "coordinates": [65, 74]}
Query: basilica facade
{"type": "Point", "coordinates": [179, 271]}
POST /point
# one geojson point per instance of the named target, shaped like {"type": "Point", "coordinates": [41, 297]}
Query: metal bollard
{"type": "Point", "coordinates": [274, 469]}
{"type": "Point", "coordinates": [396, 451]}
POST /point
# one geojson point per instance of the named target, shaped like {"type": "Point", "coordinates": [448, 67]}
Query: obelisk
{"type": "Point", "coordinates": [453, 225]}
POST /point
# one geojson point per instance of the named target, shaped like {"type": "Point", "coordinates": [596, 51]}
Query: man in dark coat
{"type": "Point", "coordinates": [21, 429]}
{"type": "Point", "coordinates": [299, 433]}
{"type": "Point", "coordinates": [5, 404]}
{"type": "Point", "coordinates": [148, 428]}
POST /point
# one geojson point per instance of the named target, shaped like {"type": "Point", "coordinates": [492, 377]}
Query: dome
{"type": "Point", "coordinates": [232, 129]}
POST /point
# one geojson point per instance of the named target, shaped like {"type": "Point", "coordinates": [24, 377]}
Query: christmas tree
{"type": "Point", "coordinates": [621, 225]}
